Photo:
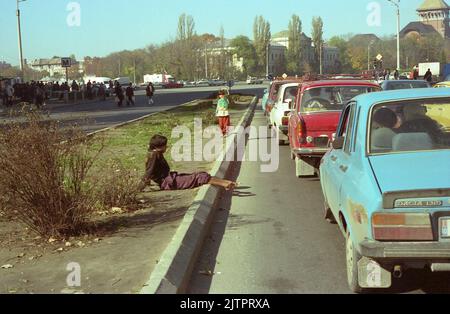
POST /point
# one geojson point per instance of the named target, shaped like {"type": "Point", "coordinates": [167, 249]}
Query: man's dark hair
{"type": "Point", "coordinates": [157, 141]}
{"type": "Point", "coordinates": [385, 117]}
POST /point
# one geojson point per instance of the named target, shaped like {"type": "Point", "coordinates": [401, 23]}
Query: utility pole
{"type": "Point", "coordinates": [397, 4]}
{"type": "Point", "coordinates": [267, 59]}
{"type": "Point", "coordinates": [368, 54]}
{"type": "Point", "coordinates": [134, 67]}
{"type": "Point", "coordinates": [20, 41]}
{"type": "Point", "coordinates": [206, 62]}
{"type": "Point", "coordinates": [120, 66]}
{"type": "Point", "coordinates": [321, 57]}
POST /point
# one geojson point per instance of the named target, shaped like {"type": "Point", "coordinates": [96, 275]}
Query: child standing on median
{"type": "Point", "coordinates": [158, 171]}
{"type": "Point", "coordinates": [222, 113]}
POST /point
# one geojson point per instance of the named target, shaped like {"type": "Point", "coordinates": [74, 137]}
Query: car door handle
{"type": "Point", "coordinates": [333, 158]}
{"type": "Point", "coordinates": [343, 168]}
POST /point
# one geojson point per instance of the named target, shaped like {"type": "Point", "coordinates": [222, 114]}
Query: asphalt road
{"type": "Point", "coordinates": [270, 237]}
{"type": "Point", "coordinates": [101, 114]}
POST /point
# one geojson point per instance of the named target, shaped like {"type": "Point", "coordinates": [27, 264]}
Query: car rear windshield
{"type": "Point", "coordinates": [290, 93]}
{"type": "Point", "coordinates": [406, 85]}
{"type": "Point", "coordinates": [410, 126]}
{"type": "Point", "coordinates": [275, 90]}
{"type": "Point", "coordinates": [331, 98]}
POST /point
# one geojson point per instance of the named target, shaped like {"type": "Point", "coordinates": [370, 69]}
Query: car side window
{"type": "Point", "coordinates": [356, 129]}
{"type": "Point", "coordinates": [349, 129]}
{"type": "Point", "coordinates": [343, 123]}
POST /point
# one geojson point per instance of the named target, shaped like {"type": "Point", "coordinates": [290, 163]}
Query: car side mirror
{"type": "Point", "coordinates": [338, 143]}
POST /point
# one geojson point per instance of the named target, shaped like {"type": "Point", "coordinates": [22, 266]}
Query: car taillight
{"type": "Point", "coordinates": [285, 118]}
{"type": "Point", "coordinates": [402, 227]}
{"type": "Point", "coordinates": [300, 131]}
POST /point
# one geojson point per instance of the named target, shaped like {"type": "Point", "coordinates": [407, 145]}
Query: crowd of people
{"type": "Point", "coordinates": [38, 92]}
{"type": "Point", "coordinates": [387, 74]}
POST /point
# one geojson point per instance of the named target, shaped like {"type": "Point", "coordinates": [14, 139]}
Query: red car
{"type": "Point", "coordinates": [313, 122]}
{"type": "Point", "coordinates": [172, 84]}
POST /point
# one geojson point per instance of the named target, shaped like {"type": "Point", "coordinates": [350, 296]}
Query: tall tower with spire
{"type": "Point", "coordinates": [436, 14]}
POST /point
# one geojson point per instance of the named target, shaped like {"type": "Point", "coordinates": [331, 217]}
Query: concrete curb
{"type": "Point", "coordinates": [171, 275]}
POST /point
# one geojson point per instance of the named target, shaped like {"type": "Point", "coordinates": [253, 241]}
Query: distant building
{"type": "Point", "coordinates": [220, 58]}
{"type": "Point", "coordinates": [330, 59]}
{"type": "Point", "coordinates": [52, 66]}
{"type": "Point", "coordinates": [330, 54]}
{"type": "Point", "coordinates": [4, 65]}
{"type": "Point", "coordinates": [276, 58]}
{"type": "Point", "coordinates": [434, 20]}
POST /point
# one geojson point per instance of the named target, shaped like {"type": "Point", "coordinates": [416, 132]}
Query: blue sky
{"type": "Point", "coordinates": [113, 25]}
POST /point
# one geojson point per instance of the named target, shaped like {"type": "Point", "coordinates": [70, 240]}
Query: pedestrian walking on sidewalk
{"type": "Point", "coordinates": [9, 92]}
{"type": "Point", "coordinates": [396, 74]}
{"type": "Point", "coordinates": [39, 97]}
{"type": "Point", "coordinates": [428, 76]}
{"type": "Point", "coordinates": [222, 113]}
{"type": "Point", "coordinates": [158, 171]}
{"type": "Point", "coordinates": [130, 95]}
{"type": "Point", "coordinates": [102, 91]}
{"type": "Point", "coordinates": [150, 91]}
{"type": "Point", "coordinates": [89, 89]}
{"type": "Point", "coordinates": [119, 94]}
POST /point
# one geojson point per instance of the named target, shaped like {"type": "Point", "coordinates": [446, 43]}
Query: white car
{"type": "Point", "coordinates": [203, 83]}
{"type": "Point", "coordinates": [279, 116]}
{"type": "Point", "coordinates": [254, 81]}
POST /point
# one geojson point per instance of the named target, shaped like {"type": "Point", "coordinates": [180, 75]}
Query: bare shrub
{"type": "Point", "coordinates": [43, 175]}
{"type": "Point", "coordinates": [118, 187]}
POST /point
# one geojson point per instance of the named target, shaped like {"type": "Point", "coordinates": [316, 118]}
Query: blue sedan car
{"type": "Point", "coordinates": [386, 183]}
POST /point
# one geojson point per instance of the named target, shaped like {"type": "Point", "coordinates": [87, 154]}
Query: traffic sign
{"type": "Point", "coordinates": [66, 62]}
{"type": "Point", "coordinates": [379, 57]}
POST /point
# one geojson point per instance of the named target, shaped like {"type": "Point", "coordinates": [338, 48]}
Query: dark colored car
{"type": "Point", "coordinates": [404, 84]}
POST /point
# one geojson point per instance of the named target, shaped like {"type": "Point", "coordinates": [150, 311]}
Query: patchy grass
{"type": "Point", "coordinates": [129, 144]}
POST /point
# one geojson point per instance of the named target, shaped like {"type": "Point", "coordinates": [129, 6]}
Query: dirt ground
{"type": "Point", "coordinates": [117, 258]}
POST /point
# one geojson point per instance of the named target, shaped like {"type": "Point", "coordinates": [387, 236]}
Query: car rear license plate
{"type": "Point", "coordinates": [445, 227]}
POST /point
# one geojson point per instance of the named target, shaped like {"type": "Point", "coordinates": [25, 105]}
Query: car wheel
{"type": "Point", "coordinates": [352, 258]}
{"type": "Point", "coordinates": [328, 213]}
{"type": "Point", "coordinates": [292, 155]}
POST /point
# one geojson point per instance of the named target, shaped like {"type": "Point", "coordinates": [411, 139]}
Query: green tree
{"type": "Point", "coordinates": [317, 39]}
{"type": "Point", "coordinates": [261, 40]}
{"type": "Point", "coordinates": [345, 64]}
{"type": "Point", "coordinates": [244, 49]}
{"type": "Point", "coordinates": [294, 52]}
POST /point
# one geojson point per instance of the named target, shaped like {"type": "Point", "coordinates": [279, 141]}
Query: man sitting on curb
{"type": "Point", "coordinates": [158, 170]}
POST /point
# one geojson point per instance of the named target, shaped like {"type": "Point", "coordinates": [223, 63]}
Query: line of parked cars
{"type": "Point", "coordinates": [383, 157]}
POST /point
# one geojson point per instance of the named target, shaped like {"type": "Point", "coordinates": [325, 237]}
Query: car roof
{"type": "Point", "coordinates": [309, 84]}
{"type": "Point", "coordinates": [398, 95]}
{"type": "Point", "coordinates": [404, 81]}
{"type": "Point", "coordinates": [282, 82]}
{"type": "Point", "coordinates": [290, 85]}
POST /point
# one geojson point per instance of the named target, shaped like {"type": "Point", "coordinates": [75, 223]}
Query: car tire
{"type": "Point", "coordinates": [292, 155]}
{"type": "Point", "coordinates": [352, 257]}
{"type": "Point", "coordinates": [328, 213]}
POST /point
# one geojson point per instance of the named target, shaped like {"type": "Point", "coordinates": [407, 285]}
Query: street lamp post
{"type": "Point", "coordinates": [267, 59]}
{"type": "Point", "coordinates": [397, 4]}
{"type": "Point", "coordinates": [368, 54]}
{"type": "Point", "coordinates": [20, 39]}
{"type": "Point", "coordinates": [321, 57]}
